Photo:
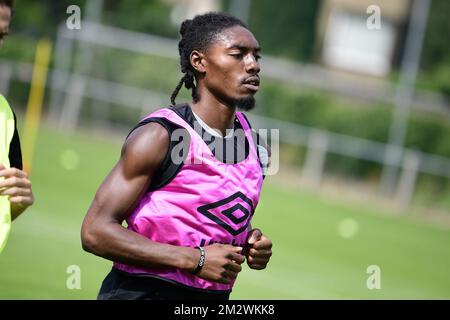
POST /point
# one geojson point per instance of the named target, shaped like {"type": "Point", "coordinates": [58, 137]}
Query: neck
{"type": "Point", "coordinates": [216, 114]}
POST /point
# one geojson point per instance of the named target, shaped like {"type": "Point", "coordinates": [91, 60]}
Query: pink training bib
{"type": "Point", "coordinates": [207, 202]}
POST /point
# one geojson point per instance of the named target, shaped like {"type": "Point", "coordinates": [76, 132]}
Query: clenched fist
{"type": "Point", "coordinates": [17, 187]}
{"type": "Point", "coordinates": [259, 250]}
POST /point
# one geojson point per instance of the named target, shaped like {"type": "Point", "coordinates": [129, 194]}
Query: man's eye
{"type": "Point", "coordinates": [237, 55]}
{"type": "Point", "coordinates": [257, 57]}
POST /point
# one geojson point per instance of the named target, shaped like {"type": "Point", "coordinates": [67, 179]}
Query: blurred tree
{"type": "Point", "coordinates": [149, 16]}
{"type": "Point", "coordinates": [436, 50]}
{"type": "Point", "coordinates": [41, 18]}
{"type": "Point", "coordinates": [285, 28]}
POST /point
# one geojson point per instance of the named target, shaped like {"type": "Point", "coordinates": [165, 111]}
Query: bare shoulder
{"type": "Point", "coordinates": [145, 148]}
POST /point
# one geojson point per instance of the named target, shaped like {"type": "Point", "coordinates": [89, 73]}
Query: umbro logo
{"type": "Point", "coordinates": [233, 213]}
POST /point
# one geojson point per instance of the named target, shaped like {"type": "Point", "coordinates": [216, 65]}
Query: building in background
{"type": "Point", "coordinates": [347, 43]}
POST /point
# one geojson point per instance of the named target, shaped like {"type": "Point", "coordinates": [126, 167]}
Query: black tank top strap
{"type": "Point", "coordinates": [168, 169]}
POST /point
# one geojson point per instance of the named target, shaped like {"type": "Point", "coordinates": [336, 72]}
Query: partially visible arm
{"type": "Point", "coordinates": [264, 151]}
{"type": "Point", "coordinates": [258, 248]}
{"type": "Point", "coordinates": [102, 232]}
{"type": "Point", "coordinates": [17, 186]}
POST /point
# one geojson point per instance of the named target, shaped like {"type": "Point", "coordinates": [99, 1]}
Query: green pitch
{"type": "Point", "coordinates": [312, 258]}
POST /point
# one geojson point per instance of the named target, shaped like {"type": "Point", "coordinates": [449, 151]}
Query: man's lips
{"type": "Point", "coordinates": [252, 83]}
{"type": "Point", "coordinates": [251, 87]}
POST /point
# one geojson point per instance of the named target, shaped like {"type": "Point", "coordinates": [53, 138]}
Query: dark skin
{"type": "Point", "coordinates": [220, 72]}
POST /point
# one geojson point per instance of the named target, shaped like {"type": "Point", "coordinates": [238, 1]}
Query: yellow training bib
{"type": "Point", "coordinates": [6, 134]}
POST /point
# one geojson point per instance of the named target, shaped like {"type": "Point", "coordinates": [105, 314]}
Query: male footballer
{"type": "Point", "coordinates": [189, 228]}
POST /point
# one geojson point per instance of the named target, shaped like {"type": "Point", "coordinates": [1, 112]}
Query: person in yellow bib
{"type": "Point", "coordinates": [15, 187]}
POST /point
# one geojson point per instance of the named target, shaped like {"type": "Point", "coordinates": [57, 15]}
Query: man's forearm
{"type": "Point", "coordinates": [116, 243]}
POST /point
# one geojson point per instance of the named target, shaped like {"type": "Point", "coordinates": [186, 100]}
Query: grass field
{"type": "Point", "coordinates": [311, 259]}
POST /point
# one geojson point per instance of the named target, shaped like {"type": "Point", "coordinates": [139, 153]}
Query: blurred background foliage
{"type": "Point", "coordinates": [290, 34]}
{"type": "Point", "coordinates": [313, 259]}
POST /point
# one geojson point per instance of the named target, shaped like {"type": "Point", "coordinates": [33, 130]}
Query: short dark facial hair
{"type": "Point", "coordinates": [246, 103]}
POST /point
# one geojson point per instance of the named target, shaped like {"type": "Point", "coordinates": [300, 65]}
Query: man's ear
{"type": "Point", "coordinates": [198, 61]}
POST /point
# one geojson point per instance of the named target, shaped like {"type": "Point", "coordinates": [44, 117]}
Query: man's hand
{"type": "Point", "coordinates": [222, 263]}
{"type": "Point", "coordinates": [259, 250]}
{"type": "Point", "coordinates": [17, 186]}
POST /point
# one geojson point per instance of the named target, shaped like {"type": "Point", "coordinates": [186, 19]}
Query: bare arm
{"type": "Point", "coordinates": [102, 233]}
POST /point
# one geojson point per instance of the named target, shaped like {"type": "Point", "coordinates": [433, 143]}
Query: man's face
{"type": "Point", "coordinates": [232, 67]}
{"type": "Point", "coordinates": [5, 19]}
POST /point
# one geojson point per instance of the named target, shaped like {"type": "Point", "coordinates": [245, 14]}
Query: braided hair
{"type": "Point", "coordinates": [197, 34]}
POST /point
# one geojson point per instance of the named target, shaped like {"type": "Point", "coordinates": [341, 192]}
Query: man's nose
{"type": "Point", "coordinates": [252, 65]}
